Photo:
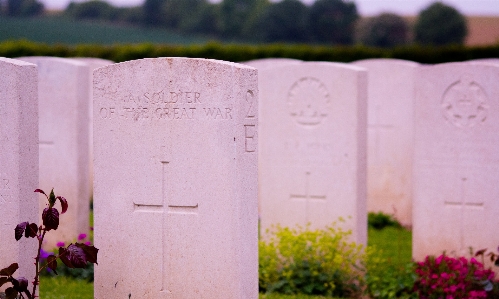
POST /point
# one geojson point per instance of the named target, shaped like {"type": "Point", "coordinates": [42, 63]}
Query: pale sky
{"type": "Point", "coordinates": [365, 7]}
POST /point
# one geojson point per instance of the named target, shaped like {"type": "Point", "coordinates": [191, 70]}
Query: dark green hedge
{"type": "Point", "coordinates": [239, 52]}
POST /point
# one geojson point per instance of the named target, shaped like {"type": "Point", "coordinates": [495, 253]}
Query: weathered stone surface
{"type": "Point", "coordinates": [93, 63]}
{"type": "Point", "coordinates": [456, 161]}
{"type": "Point", "coordinates": [18, 162]}
{"type": "Point", "coordinates": [390, 136]}
{"type": "Point", "coordinates": [271, 62]}
{"type": "Point", "coordinates": [312, 163]}
{"type": "Point", "coordinates": [175, 190]}
{"type": "Point", "coordinates": [63, 133]}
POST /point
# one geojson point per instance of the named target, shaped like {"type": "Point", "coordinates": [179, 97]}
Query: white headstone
{"type": "Point", "coordinates": [486, 61]}
{"type": "Point", "coordinates": [93, 63]}
{"type": "Point", "coordinates": [18, 162]}
{"type": "Point", "coordinates": [63, 132]}
{"type": "Point", "coordinates": [312, 161]}
{"type": "Point", "coordinates": [456, 159]}
{"type": "Point", "coordinates": [175, 189]}
{"type": "Point", "coordinates": [271, 62]}
{"type": "Point", "coordinates": [390, 133]}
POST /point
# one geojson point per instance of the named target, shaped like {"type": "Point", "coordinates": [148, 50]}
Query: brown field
{"type": "Point", "coordinates": [482, 31]}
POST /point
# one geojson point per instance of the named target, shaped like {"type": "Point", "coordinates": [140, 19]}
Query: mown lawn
{"type": "Point", "coordinates": [62, 287]}
{"type": "Point", "coordinates": [60, 30]}
{"type": "Point", "coordinates": [395, 244]}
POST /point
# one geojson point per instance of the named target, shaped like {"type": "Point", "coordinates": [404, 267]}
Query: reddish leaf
{"type": "Point", "coordinates": [497, 262]}
{"type": "Point", "coordinates": [20, 284]}
{"type": "Point", "coordinates": [40, 191]}
{"type": "Point", "coordinates": [90, 252]}
{"type": "Point", "coordinates": [31, 230]}
{"type": "Point", "coordinates": [480, 252]}
{"type": "Point", "coordinates": [9, 270]}
{"type": "Point", "coordinates": [3, 280]}
{"type": "Point", "coordinates": [19, 230]}
{"type": "Point", "coordinates": [74, 257]}
{"type": "Point", "coordinates": [50, 217]}
{"type": "Point", "coordinates": [63, 255]}
{"type": "Point", "coordinates": [64, 204]}
{"type": "Point", "coordinates": [10, 293]}
{"type": "Point", "coordinates": [52, 263]}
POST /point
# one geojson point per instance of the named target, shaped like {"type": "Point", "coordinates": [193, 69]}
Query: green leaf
{"type": "Point", "coordinates": [52, 198]}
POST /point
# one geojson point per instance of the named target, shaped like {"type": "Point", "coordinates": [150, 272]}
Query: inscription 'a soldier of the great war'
{"type": "Point", "coordinates": [464, 103]}
{"type": "Point", "coordinates": [308, 101]}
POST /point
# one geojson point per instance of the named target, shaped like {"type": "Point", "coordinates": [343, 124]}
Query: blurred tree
{"type": "Point", "coordinates": [250, 30]}
{"type": "Point", "coordinates": [130, 15]}
{"type": "Point", "coordinates": [385, 30]}
{"type": "Point", "coordinates": [153, 12]}
{"type": "Point", "coordinates": [94, 9]}
{"type": "Point", "coordinates": [283, 21]}
{"type": "Point", "coordinates": [176, 12]}
{"type": "Point", "coordinates": [24, 8]}
{"type": "Point", "coordinates": [440, 24]}
{"type": "Point", "coordinates": [203, 20]}
{"type": "Point", "coordinates": [333, 21]}
{"type": "Point", "coordinates": [235, 16]}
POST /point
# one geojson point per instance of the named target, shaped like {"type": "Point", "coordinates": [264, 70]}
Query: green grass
{"type": "Point", "coordinates": [61, 30]}
{"type": "Point", "coordinates": [61, 287]}
{"type": "Point", "coordinates": [395, 244]}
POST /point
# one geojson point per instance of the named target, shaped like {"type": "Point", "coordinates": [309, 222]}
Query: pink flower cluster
{"type": "Point", "coordinates": [451, 278]}
{"type": "Point", "coordinates": [81, 237]}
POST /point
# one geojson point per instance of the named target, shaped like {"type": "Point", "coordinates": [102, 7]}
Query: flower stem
{"type": "Point", "coordinates": [37, 260]}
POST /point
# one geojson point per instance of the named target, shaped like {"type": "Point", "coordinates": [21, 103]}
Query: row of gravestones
{"type": "Point", "coordinates": [176, 144]}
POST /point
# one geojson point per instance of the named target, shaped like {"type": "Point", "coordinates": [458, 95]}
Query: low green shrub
{"type": "Point", "coordinates": [311, 262]}
{"type": "Point", "coordinates": [245, 52]}
{"type": "Point", "coordinates": [381, 220]}
{"type": "Point", "coordinates": [388, 280]}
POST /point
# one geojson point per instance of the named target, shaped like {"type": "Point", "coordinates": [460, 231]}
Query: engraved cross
{"type": "Point", "coordinates": [172, 207]}
{"type": "Point", "coordinates": [308, 196]}
{"type": "Point", "coordinates": [463, 205]}
{"type": "Point", "coordinates": [378, 126]}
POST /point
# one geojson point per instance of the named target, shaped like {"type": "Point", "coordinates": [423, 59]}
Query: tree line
{"type": "Point", "coordinates": [330, 22]}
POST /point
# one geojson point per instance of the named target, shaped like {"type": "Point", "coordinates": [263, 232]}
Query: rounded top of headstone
{"type": "Point", "coordinates": [385, 61]}
{"type": "Point", "coordinates": [52, 60]}
{"type": "Point", "coordinates": [179, 67]}
{"type": "Point", "coordinates": [461, 65]}
{"type": "Point", "coordinates": [15, 62]}
{"type": "Point", "coordinates": [178, 61]}
{"type": "Point", "coordinates": [271, 62]}
{"type": "Point", "coordinates": [94, 60]}
{"type": "Point", "coordinates": [492, 61]}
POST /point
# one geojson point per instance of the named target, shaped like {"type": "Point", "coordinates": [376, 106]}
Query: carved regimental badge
{"type": "Point", "coordinates": [464, 103]}
{"type": "Point", "coordinates": [308, 101]}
